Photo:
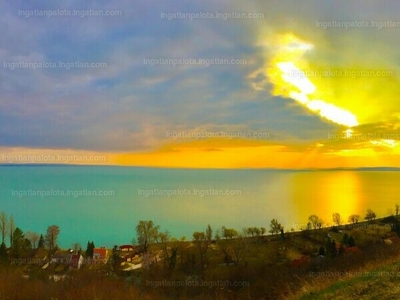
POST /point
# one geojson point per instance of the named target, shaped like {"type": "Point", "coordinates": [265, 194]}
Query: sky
{"type": "Point", "coordinates": [200, 84]}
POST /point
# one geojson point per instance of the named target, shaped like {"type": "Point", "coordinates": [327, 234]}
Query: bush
{"type": "Point", "coordinates": [334, 229]}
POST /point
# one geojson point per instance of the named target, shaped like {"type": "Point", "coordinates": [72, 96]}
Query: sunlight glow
{"type": "Point", "coordinates": [349, 133]}
{"type": "Point", "coordinates": [384, 143]}
{"type": "Point", "coordinates": [341, 193]}
{"type": "Point", "coordinates": [333, 113]}
{"type": "Point", "coordinates": [293, 75]}
{"type": "Point", "coordinates": [284, 72]}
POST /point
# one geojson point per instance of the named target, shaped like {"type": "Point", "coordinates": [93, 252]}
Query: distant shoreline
{"type": "Point", "coordinates": [360, 169]}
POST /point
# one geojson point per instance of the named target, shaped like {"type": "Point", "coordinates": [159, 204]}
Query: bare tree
{"type": "Point", "coordinates": [170, 248]}
{"type": "Point", "coordinates": [228, 232]}
{"type": "Point", "coordinates": [337, 219]}
{"type": "Point", "coordinates": [254, 231]}
{"type": "Point", "coordinates": [315, 221]}
{"type": "Point", "coordinates": [33, 237]}
{"type": "Point", "coordinates": [354, 218]}
{"type": "Point", "coordinates": [263, 230]}
{"type": "Point", "coordinates": [164, 238]}
{"type": "Point", "coordinates": [225, 248]}
{"type": "Point", "coordinates": [370, 215]}
{"type": "Point", "coordinates": [234, 251]}
{"type": "Point", "coordinates": [203, 240]}
{"type": "Point", "coordinates": [275, 227]}
{"type": "Point", "coordinates": [11, 228]}
{"type": "Point", "coordinates": [3, 226]}
{"type": "Point", "coordinates": [51, 237]}
{"type": "Point", "coordinates": [239, 249]}
{"type": "Point", "coordinates": [390, 211]}
{"type": "Point", "coordinates": [76, 246]}
{"type": "Point", "coordinates": [209, 233]}
{"type": "Point", "coordinates": [146, 233]}
{"type": "Point", "coordinates": [397, 209]}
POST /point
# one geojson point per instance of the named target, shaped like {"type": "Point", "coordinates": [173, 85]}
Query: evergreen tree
{"type": "Point", "coordinates": [333, 248]}
{"type": "Point", "coordinates": [41, 241]}
{"type": "Point", "coordinates": [88, 252]}
{"type": "Point", "coordinates": [351, 241]}
{"type": "Point", "coordinates": [345, 240]}
{"type": "Point", "coordinates": [90, 249]}
{"type": "Point", "coordinates": [115, 258]}
{"type": "Point", "coordinates": [18, 242]}
{"type": "Point", "coordinates": [3, 253]}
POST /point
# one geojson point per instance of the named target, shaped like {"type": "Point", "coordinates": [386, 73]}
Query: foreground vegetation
{"type": "Point", "coordinates": [315, 263]}
{"type": "Point", "coordinates": [375, 278]}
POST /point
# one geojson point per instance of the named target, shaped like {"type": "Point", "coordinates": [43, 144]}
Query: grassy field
{"type": "Point", "coordinates": [378, 279]}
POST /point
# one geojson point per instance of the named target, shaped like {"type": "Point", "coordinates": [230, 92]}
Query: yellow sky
{"type": "Point", "coordinates": [366, 133]}
{"type": "Point", "coordinates": [217, 153]}
{"type": "Point", "coordinates": [346, 97]}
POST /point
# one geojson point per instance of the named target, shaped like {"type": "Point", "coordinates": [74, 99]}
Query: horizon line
{"type": "Point", "coordinates": [382, 168]}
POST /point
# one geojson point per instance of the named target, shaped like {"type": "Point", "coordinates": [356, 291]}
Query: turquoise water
{"type": "Point", "coordinates": [260, 195]}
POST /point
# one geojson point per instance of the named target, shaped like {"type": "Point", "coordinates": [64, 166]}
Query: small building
{"type": "Point", "coordinates": [67, 258]}
{"type": "Point", "coordinates": [76, 261]}
{"type": "Point", "coordinates": [40, 257]}
{"type": "Point", "coordinates": [100, 254]}
{"type": "Point", "coordinates": [61, 257]}
{"type": "Point", "coordinates": [129, 257]}
{"type": "Point", "coordinates": [127, 248]}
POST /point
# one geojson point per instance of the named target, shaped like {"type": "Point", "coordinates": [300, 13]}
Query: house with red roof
{"type": "Point", "coordinates": [100, 255]}
{"type": "Point", "coordinates": [126, 248]}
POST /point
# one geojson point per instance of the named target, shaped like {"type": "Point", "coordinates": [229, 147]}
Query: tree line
{"type": "Point", "coordinates": [315, 222]}
{"type": "Point", "coordinates": [147, 232]}
{"type": "Point", "coordinates": [19, 241]}
{"type": "Point", "coordinates": [235, 251]}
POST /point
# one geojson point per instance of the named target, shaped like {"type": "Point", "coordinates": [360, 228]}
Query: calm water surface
{"type": "Point", "coordinates": [261, 195]}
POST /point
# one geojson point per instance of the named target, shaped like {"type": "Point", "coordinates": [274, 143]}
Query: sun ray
{"type": "Point", "coordinates": [291, 81]}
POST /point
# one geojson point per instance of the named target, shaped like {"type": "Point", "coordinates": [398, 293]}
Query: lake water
{"type": "Point", "coordinates": [33, 194]}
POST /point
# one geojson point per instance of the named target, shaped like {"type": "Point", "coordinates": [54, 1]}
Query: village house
{"type": "Point", "coordinates": [76, 261]}
{"type": "Point", "coordinates": [40, 257]}
{"type": "Point", "coordinates": [129, 257]}
{"type": "Point", "coordinates": [128, 253]}
{"type": "Point", "coordinates": [100, 255]}
{"type": "Point", "coordinates": [126, 248]}
{"type": "Point", "coordinates": [61, 257]}
{"type": "Point", "coordinates": [67, 258]}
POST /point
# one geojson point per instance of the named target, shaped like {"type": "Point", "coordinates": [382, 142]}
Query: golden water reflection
{"type": "Point", "coordinates": [324, 193]}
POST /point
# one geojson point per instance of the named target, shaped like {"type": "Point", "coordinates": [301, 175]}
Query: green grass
{"type": "Point", "coordinates": [378, 280]}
